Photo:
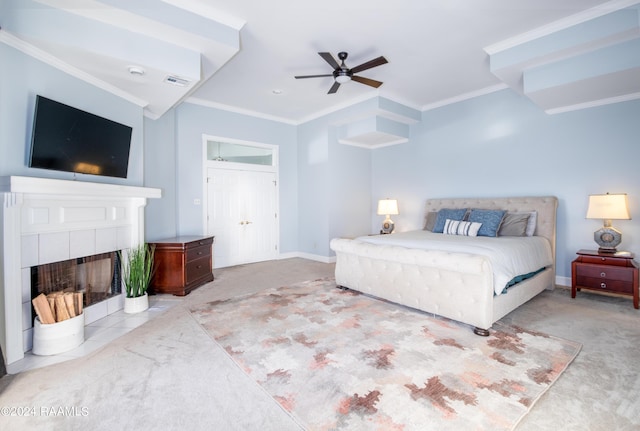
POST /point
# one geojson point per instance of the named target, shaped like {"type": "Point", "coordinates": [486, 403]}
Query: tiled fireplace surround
{"type": "Point", "coordinates": [49, 220]}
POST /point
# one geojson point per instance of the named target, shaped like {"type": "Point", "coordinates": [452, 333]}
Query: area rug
{"type": "Point", "coordinates": [339, 360]}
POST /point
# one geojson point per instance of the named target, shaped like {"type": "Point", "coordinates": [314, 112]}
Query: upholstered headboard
{"type": "Point", "coordinates": [545, 206]}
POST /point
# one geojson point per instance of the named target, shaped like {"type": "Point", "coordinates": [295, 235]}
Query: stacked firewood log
{"type": "Point", "coordinates": [57, 306]}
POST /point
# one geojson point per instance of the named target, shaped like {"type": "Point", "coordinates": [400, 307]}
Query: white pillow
{"type": "Point", "coordinates": [465, 228]}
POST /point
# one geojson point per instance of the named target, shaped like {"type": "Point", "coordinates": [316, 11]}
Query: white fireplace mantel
{"type": "Point", "coordinates": [48, 220]}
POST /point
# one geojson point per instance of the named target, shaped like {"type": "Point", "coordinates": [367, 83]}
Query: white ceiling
{"type": "Point", "coordinates": [235, 53]}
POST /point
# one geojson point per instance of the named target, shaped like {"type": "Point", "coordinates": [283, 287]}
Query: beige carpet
{"type": "Point", "coordinates": [169, 375]}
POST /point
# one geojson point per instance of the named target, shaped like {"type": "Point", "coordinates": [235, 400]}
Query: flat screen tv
{"type": "Point", "coordinates": [71, 140]}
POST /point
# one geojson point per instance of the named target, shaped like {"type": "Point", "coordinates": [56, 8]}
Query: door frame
{"type": "Point", "coordinates": [213, 164]}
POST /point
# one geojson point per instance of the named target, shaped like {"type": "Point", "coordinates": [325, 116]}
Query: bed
{"type": "Point", "coordinates": [464, 284]}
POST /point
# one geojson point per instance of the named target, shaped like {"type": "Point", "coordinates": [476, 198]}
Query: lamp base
{"type": "Point", "coordinates": [387, 226]}
{"type": "Point", "coordinates": [608, 238]}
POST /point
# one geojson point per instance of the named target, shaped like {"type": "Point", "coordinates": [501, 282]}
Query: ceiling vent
{"type": "Point", "coordinates": [176, 80]}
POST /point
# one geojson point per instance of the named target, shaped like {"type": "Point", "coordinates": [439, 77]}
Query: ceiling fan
{"type": "Point", "coordinates": [341, 73]}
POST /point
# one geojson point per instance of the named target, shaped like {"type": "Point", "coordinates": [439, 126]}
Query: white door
{"type": "Point", "coordinates": [242, 215]}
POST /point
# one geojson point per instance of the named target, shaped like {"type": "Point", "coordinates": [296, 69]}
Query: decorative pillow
{"type": "Point", "coordinates": [490, 220]}
{"type": "Point", "coordinates": [514, 224]}
{"type": "Point", "coordinates": [430, 220]}
{"type": "Point", "coordinates": [444, 214]}
{"type": "Point", "coordinates": [531, 224]}
{"type": "Point", "coordinates": [464, 228]}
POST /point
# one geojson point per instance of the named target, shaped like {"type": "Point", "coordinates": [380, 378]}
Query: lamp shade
{"type": "Point", "coordinates": [387, 207]}
{"type": "Point", "coordinates": [608, 207]}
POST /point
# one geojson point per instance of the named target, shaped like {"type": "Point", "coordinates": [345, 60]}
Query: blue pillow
{"type": "Point", "coordinates": [444, 214]}
{"type": "Point", "coordinates": [490, 219]}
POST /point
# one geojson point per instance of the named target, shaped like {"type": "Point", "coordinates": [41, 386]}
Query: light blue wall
{"type": "Point", "coordinates": [192, 121]}
{"type": "Point", "coordinates": [334, 182]}
{"type": "Point", "coordinates": [21, 79]}
{"type": "Point", "coordinates": [502, 145]}
{"type": "Point", "coordinates": [160, 172]}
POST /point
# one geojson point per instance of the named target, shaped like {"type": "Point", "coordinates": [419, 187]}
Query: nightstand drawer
{"type": "Point", "coordinates": [610, 285]}
{"type": "Point", "coordinates": [603, 272]}
{"type": "Point", "coordinates": [600, 260]}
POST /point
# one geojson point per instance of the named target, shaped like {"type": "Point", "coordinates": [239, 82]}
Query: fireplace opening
{"type": "Point", "coordinates": [97, 277]}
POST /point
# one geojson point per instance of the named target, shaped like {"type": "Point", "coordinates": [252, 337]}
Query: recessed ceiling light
{"type": "Point", "coordinates": [276, 91]}
{"type": "Point", "coordinates": [136, 70]}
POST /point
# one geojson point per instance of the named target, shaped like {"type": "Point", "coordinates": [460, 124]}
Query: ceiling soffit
{"type": "Point", "coordinates": [592, 62]}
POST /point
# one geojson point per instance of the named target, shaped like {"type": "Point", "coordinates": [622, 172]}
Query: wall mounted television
{"type": "Point", "coordinates": [71, 140]}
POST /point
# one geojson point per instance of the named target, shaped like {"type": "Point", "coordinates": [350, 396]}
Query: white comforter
{"type": "Point", "coordinates": [509, 256]}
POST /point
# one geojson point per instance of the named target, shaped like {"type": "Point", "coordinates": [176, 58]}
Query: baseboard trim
{"type": "Point", "coordinates": [309, 256]}
{"type": "Point", "coordinates": [563, 281]}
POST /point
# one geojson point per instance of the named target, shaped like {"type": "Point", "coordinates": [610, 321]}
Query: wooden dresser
{"type": "Point", "coordinates": [182, 264]}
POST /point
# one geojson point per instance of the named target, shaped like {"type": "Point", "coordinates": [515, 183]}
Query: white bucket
{"type": "Point", "coordinates": [59, 337]}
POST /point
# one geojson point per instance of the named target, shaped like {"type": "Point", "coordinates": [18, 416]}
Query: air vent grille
{"type": "Point", "coordinates": [176, 80]}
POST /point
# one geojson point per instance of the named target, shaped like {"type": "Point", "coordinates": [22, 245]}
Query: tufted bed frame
{"type": "Point", "coordinates": [461, 288]}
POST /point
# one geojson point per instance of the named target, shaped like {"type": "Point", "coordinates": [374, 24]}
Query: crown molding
{"type": "Point", "coordinates": [465, 96]}
{"type": "Point", "coordinates": [593, 104]}
{"type": "Point", "coordinates": [562, 24]}
{"type": "Point", "coordinates": [229, 108]}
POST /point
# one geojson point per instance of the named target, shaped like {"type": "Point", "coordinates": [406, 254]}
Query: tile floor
{"type": "Point", "coordinates": [98, 334]}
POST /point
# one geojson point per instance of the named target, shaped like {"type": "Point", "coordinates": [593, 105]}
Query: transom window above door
{"type": "Point", "coordinates": [240, 153]}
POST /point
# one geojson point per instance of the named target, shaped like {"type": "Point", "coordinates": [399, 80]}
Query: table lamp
{"type": "Point", "coordinates": [387, 207]}
{"type": "Point", "coordinates": [608, 207]}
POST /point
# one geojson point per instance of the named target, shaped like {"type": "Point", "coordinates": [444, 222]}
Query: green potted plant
{"type": "Point", "coordinates": [137, 270]}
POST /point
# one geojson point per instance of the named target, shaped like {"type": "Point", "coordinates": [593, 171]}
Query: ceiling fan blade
{"type": "Point", "coordinates": [313, 76]}
{"type": "Point", "coordinates": [334, 87]}
{"type": "Point", "coordinates": [329, 59]}
{"type": "Point", "coordinates": [369, 64]}
{"type": "Point", "coordinates": [366, 81]}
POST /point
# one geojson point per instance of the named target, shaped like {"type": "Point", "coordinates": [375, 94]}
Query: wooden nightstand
{"type": "Point", "coordinates": [605, 272]}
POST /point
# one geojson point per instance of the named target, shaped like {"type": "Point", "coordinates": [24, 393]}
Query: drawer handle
{"type": "Point", "coordinates": [603, 285]}
{"type": "Point", "coordinates": [199, 252]}
{"type": "Point", "coordinates": [200, 266]}
{"type": "Point", "coordinates": [603, 258]}
{"type": "Point", "coordinates": [603, 274]}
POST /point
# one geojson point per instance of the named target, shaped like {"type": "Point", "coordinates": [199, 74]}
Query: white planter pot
{"type": "Point", "coordinates": [136, 305]}
{"type": "Point", "coordinates": [54, 338]}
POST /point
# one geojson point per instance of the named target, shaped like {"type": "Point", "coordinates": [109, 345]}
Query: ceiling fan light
{"type": "Point", "coordinates": [341, 79]}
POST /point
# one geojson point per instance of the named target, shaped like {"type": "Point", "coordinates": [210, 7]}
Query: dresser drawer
{"type": "Point", "coordinates": [197, 269]}
{"type": "Point", "coordinates": [198, 252]}
{"type": "Point", "coordinates": [199, 243]}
